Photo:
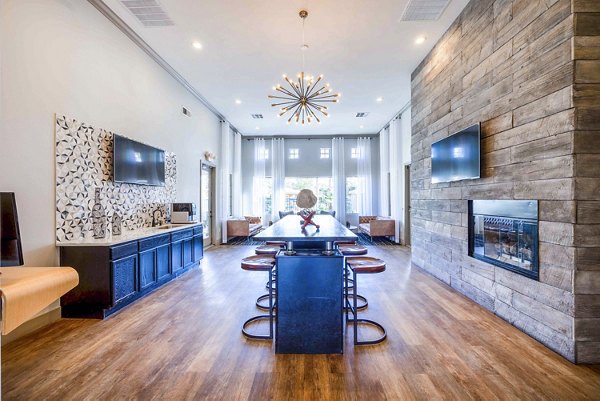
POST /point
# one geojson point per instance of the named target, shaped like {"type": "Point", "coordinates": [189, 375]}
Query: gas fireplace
{"type": "Point", "coordinates": [505, 233]}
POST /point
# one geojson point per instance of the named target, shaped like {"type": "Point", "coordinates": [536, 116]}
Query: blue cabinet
{"type": "Point", "coordinates": [124, 278]}
{"type": "Point", "coordinates": [111, 277]}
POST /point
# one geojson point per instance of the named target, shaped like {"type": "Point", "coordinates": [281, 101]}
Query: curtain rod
{"type": "Point", "coordinates": [370, 136]}
{"type": "Point", "coordinates": [398, 114]}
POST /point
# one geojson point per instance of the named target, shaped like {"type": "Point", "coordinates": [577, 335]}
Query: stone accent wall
{"type": "Point", "coordinates": [586, 93]}
{"type": "Point", "coordinates": [509, 64]}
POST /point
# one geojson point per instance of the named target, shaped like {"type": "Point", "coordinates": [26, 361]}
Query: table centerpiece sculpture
{"type": "Point", "coordinates": [306, 200]}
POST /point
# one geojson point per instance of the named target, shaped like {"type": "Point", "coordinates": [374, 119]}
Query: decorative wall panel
{"type": "Point", "coordinates": [83, 163]}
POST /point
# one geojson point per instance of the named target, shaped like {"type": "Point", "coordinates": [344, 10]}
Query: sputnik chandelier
{"type": "Point", "coordinates": [304, 101]}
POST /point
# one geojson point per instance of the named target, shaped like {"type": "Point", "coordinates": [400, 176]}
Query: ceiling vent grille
{"type": "Point", "coordinates": [362, 114]}
{"type": "Point", "coordinates": [148, 12]}
{"type": "Point", "coordinates": [257, 116]}
{"type": "Point", "coordinates": [424, 10]}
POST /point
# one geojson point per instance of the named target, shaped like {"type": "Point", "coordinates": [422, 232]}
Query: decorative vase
{"type": "Point", "coordinates": [116, 223]}
{"type": "Point", "coordinates": [98, 217]}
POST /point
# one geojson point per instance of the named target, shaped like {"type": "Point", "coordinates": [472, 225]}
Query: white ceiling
{"type": "Point", "coordinates": [361, 47]}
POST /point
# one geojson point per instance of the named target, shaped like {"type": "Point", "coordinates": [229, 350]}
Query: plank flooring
{"type": "Point", "coordinates": [183, 342]}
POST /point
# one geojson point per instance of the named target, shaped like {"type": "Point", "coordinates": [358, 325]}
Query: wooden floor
{"type": "Point", "coordinates": [184, 342]}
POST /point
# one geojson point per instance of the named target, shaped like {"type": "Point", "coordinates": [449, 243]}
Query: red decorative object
{"type": "Point", "coordinates": [307, 216]}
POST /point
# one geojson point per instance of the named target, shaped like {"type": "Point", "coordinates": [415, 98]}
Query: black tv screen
{"type": "Point", "coordinates": [136, 163]}
{"type": "Point", "coordinates": [456, 157]}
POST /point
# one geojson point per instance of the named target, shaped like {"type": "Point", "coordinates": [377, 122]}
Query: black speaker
{"type": "Point", "coordinates": [11, 252]}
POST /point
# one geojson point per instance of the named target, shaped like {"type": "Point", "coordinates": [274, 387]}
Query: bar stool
{"type": "Point", "coordinates": [353, 249]}
{"type": "Point", "coordinates": [281, 244]}
{"type": "Point", "coordinates": [260, 263]}
{"type": "Point", "coordinates": [363, 265]}
{"type": "Point", "coordinates": [267, 250]}
{"type": "Point", "coordinates": [337, 243]}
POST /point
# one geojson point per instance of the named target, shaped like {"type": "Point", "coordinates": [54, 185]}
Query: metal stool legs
{"type": "Point", "coordinates": [270, 316]}
{"type": "Point", "coordinates": [353, 308]}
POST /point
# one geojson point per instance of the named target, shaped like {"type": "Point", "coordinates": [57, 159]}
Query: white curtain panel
{"type": "Point", "coordinates": [384, 171]}
{"type": "Point", "coordinates": [258, 182]}
{"type": "Point", "coordinates": [225, 171]}
{"type": "Point", "coordinates": [237, 174]}
{"type": "Point", "coordinates": [278, 174]}
{"type": "Point", "coordinates": [339, 178]}
{"type": "Point", "coordinates": [365, 189]}
{"type": "Point", "coordinates": [396, 171]}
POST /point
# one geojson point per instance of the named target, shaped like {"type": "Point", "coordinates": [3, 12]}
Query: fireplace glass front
{"type": "Point", "coordinates": [505, 233]}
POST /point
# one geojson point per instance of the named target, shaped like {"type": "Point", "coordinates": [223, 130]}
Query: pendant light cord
{"type": "Point", "coordinates": [303, 43]}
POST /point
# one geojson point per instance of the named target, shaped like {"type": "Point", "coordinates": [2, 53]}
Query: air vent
{"type": "Point", "coordinates": [424, 10]}
{"type": "Point", "coordinates": [148, 12]}
{"type": "Point", "coordinates": [257, 116]}
{"type": "Point", "coordinates": [362, 114]}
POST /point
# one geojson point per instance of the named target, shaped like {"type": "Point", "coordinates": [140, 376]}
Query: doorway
{"type": "Point", "coordinates": [207, 181]}
{"type": "Point", "coordinates": [407, 207]}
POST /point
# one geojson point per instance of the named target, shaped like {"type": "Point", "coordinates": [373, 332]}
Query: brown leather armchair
{"type": "Point", "coordinates": [377, 226]}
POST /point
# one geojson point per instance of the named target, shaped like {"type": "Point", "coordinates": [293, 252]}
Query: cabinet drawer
{"type": "Point", "coordinates": [181, 234]}
{"type": "Point", "coordinates": [154, 242]}
{"type": "Point", "coordinates": [123, 250]}
{"type": "Point", "coordinates": [197, 230]}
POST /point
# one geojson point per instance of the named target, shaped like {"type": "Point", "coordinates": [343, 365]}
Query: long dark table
{"type": "Point", "coordinates": [309, 284]}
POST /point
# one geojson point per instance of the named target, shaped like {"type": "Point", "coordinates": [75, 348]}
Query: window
{"type": "Point", "coordinates": [321, 186]}
{"type": "Point", "coordinates": [325, 153]}
{"type": "Point", "coordinates": [230, 195]}
{"type": "Point", "coordinates": [352, 194]}
{"type": "Point", "coordinates": [355, 153]}
{"type": "Point", "coordinates": [294, 153]}
{"type": "Point", "coordinates": [268, 195]}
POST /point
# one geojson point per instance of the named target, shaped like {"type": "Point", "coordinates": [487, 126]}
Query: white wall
{"type": "Point", "coordinates": [63, 56]}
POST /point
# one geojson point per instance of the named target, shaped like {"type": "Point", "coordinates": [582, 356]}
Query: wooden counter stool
{"type": "Point", "coordinates": [271, 250]}
{"type": "Point", "coordinates": [267, 250]}
{"type": "Point", "coordinates": [260, 263]}
{"type": "Point", "coordinates": [348, 248]}
{"type": "Point", "coordinates": [352, 250]}
{"type": "Point", "coordinates": [337, 243]}
{"type": "Point", "coordinates": [281, 244]}
{"type": "Point", "coordinates": [363, 265]}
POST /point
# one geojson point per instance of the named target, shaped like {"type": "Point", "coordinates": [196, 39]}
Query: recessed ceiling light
{"type": "Point", "coordinates": [197, 45]}
{"type": "Point", "coordinates": [257, 128]}
{"type": "Point", "coordinates": [238, 101]}
{"type": "Point", "coordinates": [420, 40]}
{"type": "Point", "coordinates": [362, 126]}
{"type": "Point", "coordinates": [379, 99]}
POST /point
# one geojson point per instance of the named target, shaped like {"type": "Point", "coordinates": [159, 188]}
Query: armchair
{"type": "Point", "coordinates": [243, 227]}
{"type": "Point", "coordinates": [377, 226]}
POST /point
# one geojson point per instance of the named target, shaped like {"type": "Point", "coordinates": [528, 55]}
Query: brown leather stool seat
{"type": "Point", "coordinates": [264, 263]}
{"type": "Point", "coordinates": [353, 250]}
{"type": "Point", "coordinates": [362, 265]}
{"type": "Point", "coordinates": [336, 243]}
{"type": "Point", "coordinates": [281, 244]}
{"type": "Point", "coordinates": [267, 250]}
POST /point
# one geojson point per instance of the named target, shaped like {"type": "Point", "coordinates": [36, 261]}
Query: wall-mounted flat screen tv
{"type": "Point", "coordinates": [456, 157]}
{"type": "Point", "coordinates": [137, 163]}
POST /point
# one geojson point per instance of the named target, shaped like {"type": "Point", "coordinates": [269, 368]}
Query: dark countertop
{"type": "Point", "coordinates": [289, 229]}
